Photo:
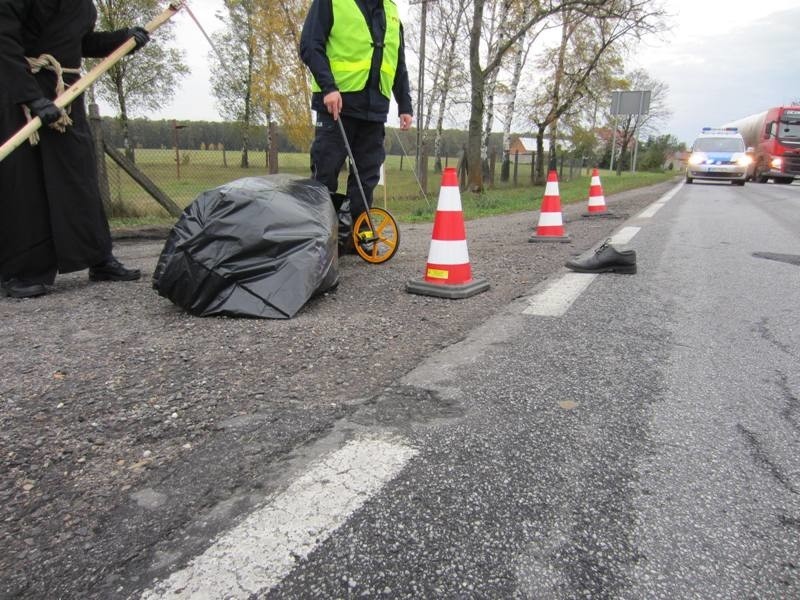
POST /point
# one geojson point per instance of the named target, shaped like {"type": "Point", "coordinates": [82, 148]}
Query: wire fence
{"type": "Point", "coordinates": [157, 183]}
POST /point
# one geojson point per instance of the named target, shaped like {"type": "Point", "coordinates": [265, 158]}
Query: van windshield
{"type": "Point", "coordinates": [719, 144]}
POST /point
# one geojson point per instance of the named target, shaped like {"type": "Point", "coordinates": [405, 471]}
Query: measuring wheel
{"type": "Point", "coordinates": [378, 244]}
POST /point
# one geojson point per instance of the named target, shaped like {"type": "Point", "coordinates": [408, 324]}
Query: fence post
{"type": "Point", "coordinates": [516, 166]}
{"type": "Point", "coordinates": [273, 148]}
{"type": "Point", "coordinates": [462, 169]}
{"type": "Point", "coordinates": [100, 158]}
{"type": "Point", "coordinates": [534, 158]}
{"type": "Point", "coordinates": [423, 169]}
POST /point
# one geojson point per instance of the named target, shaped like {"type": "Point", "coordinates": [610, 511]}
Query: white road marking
{"type": "Point", "coordinates": [651, 210]}
{"type": "Point", "coordinates": [624, 235]}
{"type": "Point", "coordinates": [557, 298]}
{"type": "Point", "coordinates": [259, 552]}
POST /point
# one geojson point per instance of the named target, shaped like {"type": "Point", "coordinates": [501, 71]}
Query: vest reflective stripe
{"type": "Point", "coordinates": [350, 41]}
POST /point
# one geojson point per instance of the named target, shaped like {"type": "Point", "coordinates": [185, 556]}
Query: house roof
{"type": "Point", "coordinates": [529, 144]}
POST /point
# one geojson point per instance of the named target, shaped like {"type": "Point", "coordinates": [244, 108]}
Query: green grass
{"type": "Point", "coordinates": [201, 170]}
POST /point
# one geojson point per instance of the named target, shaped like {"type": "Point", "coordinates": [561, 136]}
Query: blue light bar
{"type": "Point", "coordinates": [720, 130]}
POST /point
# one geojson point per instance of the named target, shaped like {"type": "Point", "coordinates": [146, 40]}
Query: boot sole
{"type": "Point", "coordinates": [113, 278]}
{"type": "Point", "coordinates": [622, 270]}
{"type": "Point", "coordinates": [20, 296]}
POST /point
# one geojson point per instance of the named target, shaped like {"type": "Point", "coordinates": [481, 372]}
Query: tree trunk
{"type": "Point", "coordinates": [478, 86]}
{"type": "Point", "coordinates": [125, 124]}
{"type": "Point", "coordinates": [539, 176]}
{"type": "Point", "coordinates": [508, 117]}
{"type": "Point", "coordinates": [491, 86]}
{"type": "Point", "coordinates": [505, 169]}
{"type": "Point", "coordinates": [447, 77]}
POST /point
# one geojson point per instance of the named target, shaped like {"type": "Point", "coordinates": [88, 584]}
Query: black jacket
{"type": "Point", "coordinates": [51, 213]}
{"type": "Point", "coordinates": [369, 104]}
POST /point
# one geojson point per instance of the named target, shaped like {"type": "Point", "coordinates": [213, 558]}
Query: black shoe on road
{"type": "Point", "coordinates": [113, 270]}
{"type": "Point", "coordinates": [19, 288]}
{"type": "Point", "coordinates": [606, 259]}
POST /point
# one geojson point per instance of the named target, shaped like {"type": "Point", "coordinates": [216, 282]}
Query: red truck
{"type": "Point", "coordinates": [774, 136]}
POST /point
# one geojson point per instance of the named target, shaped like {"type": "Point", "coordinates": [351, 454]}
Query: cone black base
{"type": "Point", "coordinates": [451, 291]}
{"type": "Point", "coordinates": [606, 213]}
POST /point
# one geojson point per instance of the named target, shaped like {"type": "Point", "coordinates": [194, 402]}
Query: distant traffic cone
{"type": "Point", "coordinates": [551, 224]}
{"type": "Point", "coordinates": [448, 273]}
{"type": "Point", "coordinates": [597, 202]}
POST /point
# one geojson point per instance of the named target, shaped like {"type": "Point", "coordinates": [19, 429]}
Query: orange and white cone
{"type": "Point", "coordinates": [448, 273]}
{"type": "Point", "coordinates": [551, 223]}
{"type": "Point", "coordinates": [597, 202]}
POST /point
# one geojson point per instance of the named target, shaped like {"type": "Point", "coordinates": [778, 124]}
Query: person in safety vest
{"type": "Point", "coordinates": [356, 55]}
{"type": "Point", "coordinates": [51, 213]}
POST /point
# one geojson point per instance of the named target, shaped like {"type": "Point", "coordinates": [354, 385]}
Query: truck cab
{"type": "Point", "coordinates": [774, 135]}
{"type": "Point", "coordinates": [778, 151]}
{"type": "Point", "coordinates": [718, 154]}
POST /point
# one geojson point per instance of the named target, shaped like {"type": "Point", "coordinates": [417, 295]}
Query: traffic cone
{"type": "Point", "coordinates": [551, 224]}
{"type": "Point", "coordinates": [597, 202]}
{"type": "Point", "coordinates": [448, 273]}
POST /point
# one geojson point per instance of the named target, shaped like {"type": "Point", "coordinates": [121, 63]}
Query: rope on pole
{"type": "Point", "coordinates": [80, 86]}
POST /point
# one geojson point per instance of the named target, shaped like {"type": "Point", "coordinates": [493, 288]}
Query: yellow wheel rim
{"type": "Point", "coordinates": [380, 244]}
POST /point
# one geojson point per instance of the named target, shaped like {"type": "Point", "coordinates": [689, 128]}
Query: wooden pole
{"type": "Point", "coordinates": [80, 86]}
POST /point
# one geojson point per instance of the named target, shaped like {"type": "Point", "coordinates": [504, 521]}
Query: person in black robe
{"type": "Point", "coordinates": [51, 213]}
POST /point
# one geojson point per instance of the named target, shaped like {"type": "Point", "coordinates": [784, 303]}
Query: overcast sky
{"type": "Point", "coordinates": [722, 59]}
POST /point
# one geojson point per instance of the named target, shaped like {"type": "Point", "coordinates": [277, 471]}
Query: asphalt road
{"type": "Point", "coordinates": [638, 442]}
{"type": "Point", "coordinates": [642, 445]}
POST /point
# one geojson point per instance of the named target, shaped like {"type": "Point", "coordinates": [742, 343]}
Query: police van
{"type": "Point", "coordinates": [718, 154]}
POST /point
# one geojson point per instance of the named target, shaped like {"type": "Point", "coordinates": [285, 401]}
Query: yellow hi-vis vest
{"type": "Point", "coordinates": [349, 47]}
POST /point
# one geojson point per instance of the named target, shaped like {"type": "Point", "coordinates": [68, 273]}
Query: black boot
{"type": "Point", "coordinates": [113, 270]}
{"type": "Point", "coordinates": [606, 259]}
{"type": "Point", "coordinates": [19, 288]}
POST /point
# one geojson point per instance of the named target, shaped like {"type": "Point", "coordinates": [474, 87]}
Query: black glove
{"type": "Point", "coordinates": [45, 110]}
{"type": "Point", "coordinates": [140, 35]}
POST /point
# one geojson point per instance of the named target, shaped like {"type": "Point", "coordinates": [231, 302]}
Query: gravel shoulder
{"type": "Point", "coordinates": [122, 417]}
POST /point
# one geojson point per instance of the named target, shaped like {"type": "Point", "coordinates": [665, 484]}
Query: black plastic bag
{"type": "Point", "coordinates": [255, 247]}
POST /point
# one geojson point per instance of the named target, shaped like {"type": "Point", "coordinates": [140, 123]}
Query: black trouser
{"type": "Point", "coordinates": [328, 154]}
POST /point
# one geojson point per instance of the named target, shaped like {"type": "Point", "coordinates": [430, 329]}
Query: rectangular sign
{"type": "Point", "coordinates": [630, 103]}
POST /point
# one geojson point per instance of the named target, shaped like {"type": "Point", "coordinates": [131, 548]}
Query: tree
{"type": "Point", "coordinates": [481, 69]}
{"type": "Point", "coordinates": [446, 22]}
{"type": "Point", "coordinates": [629, 127]}
{"type": "Point", "coordinates": [232, 81]}
{"type": "Point", "coordinates": [280, 80]}
{"type": "Point", "coordinates": [588, 52]}
{"type": "Point", "coordinates": [261, 78]}
{"type": "Point", "coordinates": [520, 57]}
{"type": "Point", "coordinates": [657, 149]}
{"type": "Point", "coordinates": [147, 80]}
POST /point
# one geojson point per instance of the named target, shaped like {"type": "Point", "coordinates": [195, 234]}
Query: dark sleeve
{"type": "Point", "coordinates": [99, 44]}
{"type": "Point", "coordinates": [14, 72]}
{"type": "Point", "coordinates": [316, 29]}
{"type": "Point", "coordinates": [401, 87]}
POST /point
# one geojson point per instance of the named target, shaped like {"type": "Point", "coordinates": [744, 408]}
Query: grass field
{"type": "Point", "coordinates": [200, 170]}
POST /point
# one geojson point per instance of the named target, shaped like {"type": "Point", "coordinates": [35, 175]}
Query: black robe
{"type": "Point", "coordinates": [51, 212]}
